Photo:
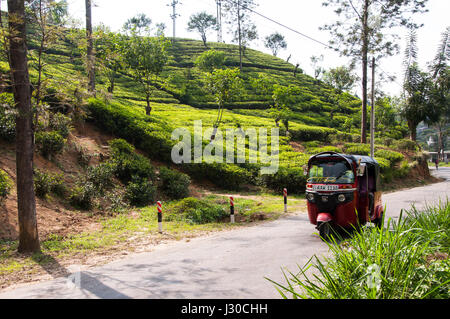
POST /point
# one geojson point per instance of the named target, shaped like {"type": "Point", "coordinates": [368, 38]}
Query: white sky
{"type": "Point", "coordinates": [305, 16]}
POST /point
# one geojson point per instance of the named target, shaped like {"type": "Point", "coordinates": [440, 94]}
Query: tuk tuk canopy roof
{"type": "Point", "coordinates": [348, 157]}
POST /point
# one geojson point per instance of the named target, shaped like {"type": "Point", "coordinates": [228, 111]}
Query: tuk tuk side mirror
{"type": "Point", "coordinates": [361, 169]}
{"type": "Point", "coordinates": [305, 170]}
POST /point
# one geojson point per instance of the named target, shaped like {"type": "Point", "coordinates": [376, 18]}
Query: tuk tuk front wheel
{"type": "Point", "coordinates": [325, 230]}
{"type": "Point", "coordinates": [379, 221]}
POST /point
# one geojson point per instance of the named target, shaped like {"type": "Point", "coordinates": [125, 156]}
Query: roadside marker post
{"type": "Point", "coordinates": [159, 216]}
{"type": "Point", "coordinates": [231, 210]}
{"type": "Point", "coordinates": [285, 199]}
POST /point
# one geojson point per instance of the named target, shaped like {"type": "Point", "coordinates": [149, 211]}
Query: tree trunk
{"type": "Point", "coordinates": [148, 108]}
{"type": "Point", "coordinates": [412, 130]}
{"type": "Point", "coordinates": [28, 232]}
{"type": "Point", "coordinates": [364, 52]}
{"type": "Point", "coordinates": [90, 50]}
{"type": "Point", "coordinates": [239, 34]}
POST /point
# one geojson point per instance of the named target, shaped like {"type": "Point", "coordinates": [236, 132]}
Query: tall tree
{"type": "Point", "coordinates": [109, 47]}
{"type": "Point", "coordinates": [275, 42]}
{"type": "Point", "coordinates": [417, 93]}
{"type": "Point", "coordinates": [90, 48]}
{"type": "Point", "coordinates": [26, 202]}
{"type": "Point", "coordinates": [440, 94]}
{"type": "Point", "coordinates": [146, 57]}
{"type": "Point", "coordinates": [202, 22]}
{"type": "Point", "coordinates": [48, 17]}
{"type": "Point", "coordinates": [368, 34]}
{"type": "Point", "coordinates": [237, 14]}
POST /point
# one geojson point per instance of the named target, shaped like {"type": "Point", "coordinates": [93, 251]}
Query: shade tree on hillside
{"type": "Point", "coordinates": [145, 56]}
{"type": "Point", "coordinates": [275, 42]}
{"type": "Point", "coordinates": [110, 48]}
{"type": "Point", "coordinates": [315, 64]}
{"type": "Point", "coordinates": [241, 26]}
{"type": "Point", "coordinates": [47, 18]}
{"type": "Point", "coordinates": [440, 92]}
{"type": "Point", "coordinates": [202, 23]}
{"type": "Point", "coordinates": [225, 85]}
{"type": "Point", "coordinates": [364, 28]}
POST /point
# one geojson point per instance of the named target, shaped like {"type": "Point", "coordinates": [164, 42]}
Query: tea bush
{"type": "Point", "coordinates": [82, 195]}
{"type": "Point", "coordinates": [357, 149]}
{"type": "Point", "coordinates": [126, 163]}
{"type": "Point", "coordinates": [173, 183]}
{"type": "Point", "coordinates": [60, 123]}
{"type": "Point", "coordinates": [45, 183]}
{"type": "Point", "coordinates": [140, 192]}
{"type": "Point", "coordinates": [196, 211]}
{"type": "Point", "coordinates": [392, 156]}
{"type": "Point", "coordinates": [5, 185]}
{"type": "Point", "coordinates": [7, 117]}
{"type": "Point", "coordinates": [49, 143]}
{"type": "Point", "coordinates": [286, 177]}
{"type": "Point", "coordinates": [101, 176]}
{"type": "Point", "coordinates": [228, 176]}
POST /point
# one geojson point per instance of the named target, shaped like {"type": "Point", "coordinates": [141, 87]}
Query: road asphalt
{"type": "Point", "coordinates": [229, 264]}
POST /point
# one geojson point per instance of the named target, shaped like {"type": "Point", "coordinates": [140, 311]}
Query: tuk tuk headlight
{"type": "Point", "coordinates": [310, 197]}
{"type": "Point", "coordinates": [341, 198]}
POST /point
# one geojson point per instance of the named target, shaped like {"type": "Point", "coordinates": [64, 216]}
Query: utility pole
{"type": "Point", "coordinates": [174, 14]}
{"type": "Point", "coordinates": [372, 113]}
{"type": "Point", "coordinates": [219, 20]}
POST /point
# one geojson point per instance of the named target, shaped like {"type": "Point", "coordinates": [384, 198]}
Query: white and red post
{"type": "Point", "coordinates": [158, 204]}
{"type": "Point", "coordinates": [232, 209]}
{"type": "Point", "coordinates": [285, 199]}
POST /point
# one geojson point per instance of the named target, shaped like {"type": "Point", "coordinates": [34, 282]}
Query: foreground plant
{"type": "Point", "coordinates": [407, 259]}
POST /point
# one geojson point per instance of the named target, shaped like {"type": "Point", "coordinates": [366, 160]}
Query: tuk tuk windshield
{"type": "Point", "coordinates": [331, 172]}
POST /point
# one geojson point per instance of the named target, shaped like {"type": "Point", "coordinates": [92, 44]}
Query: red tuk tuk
{"type": "Point", "coordinates": [343, 190]}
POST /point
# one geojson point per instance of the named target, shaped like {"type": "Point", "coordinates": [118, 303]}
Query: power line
{"type": "Point", "coordinates": [289, 28]}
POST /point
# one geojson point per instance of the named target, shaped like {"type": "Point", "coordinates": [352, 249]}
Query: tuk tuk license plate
{"type": "Point", "coordinates": [325, 187]}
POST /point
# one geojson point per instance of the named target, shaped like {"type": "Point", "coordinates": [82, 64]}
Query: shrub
{"type": "Point", "coordinates": [101, 176]}
{"type": "Point", "coordinates": [82, 196]}
{"type": "Point", "coordinates": [49, 143]}
{"type": "Point", "coordinates": [60, 123]}
{"type": "Point", "coordinates": [405, 145]}
{"type": "Point", "coordinates": [7, 117]}
{"type": "Point", "coordinates": [173, 183]}
{"type": "Point", "coordinates": [385, 169]}
{"type": "Point", "coordinates": [393, 157]}
{"type": "Point", "coordinates": [357, 149]}
{"type": "Point", "coordinates": [150, 134]}
{"type": "Point", "coordinates": [119, 146]}
{"type": "Point", "coordinates": [140, 192]}
{"type": "Point", "coordinates": [311, 133]}
{"type": "Point", "coordinates": [127, 164]}
{"type": "Point", "coordinates": [45, 183]}
{"type": "Point", "coordinates": [196, 211]}
{"type": "Point", "coordinates": [228, 176]}
{"type": "Point", "coordinates": [286, 177]}
{"type": "Point", "coordinates": [5, 185]}
{"type": "Point", "coordinates": [317, 150]}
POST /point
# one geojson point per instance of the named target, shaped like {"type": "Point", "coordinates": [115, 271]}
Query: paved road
{"type": "Point", "coordinates": [225, 265]}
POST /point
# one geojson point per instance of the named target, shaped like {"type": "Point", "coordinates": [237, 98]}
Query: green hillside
{"type": "Point", "coordinates": [315, 121]}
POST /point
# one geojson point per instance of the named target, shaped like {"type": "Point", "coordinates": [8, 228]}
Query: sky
{"type": "Point", "coordinates": [305, 16]}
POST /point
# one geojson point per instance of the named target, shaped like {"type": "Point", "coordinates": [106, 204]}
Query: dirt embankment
{"type": "Point", "coordinates": [54, 215]}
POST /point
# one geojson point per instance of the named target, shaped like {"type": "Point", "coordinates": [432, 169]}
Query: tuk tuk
{"type": "Point", "coordinates": [343, 191]}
